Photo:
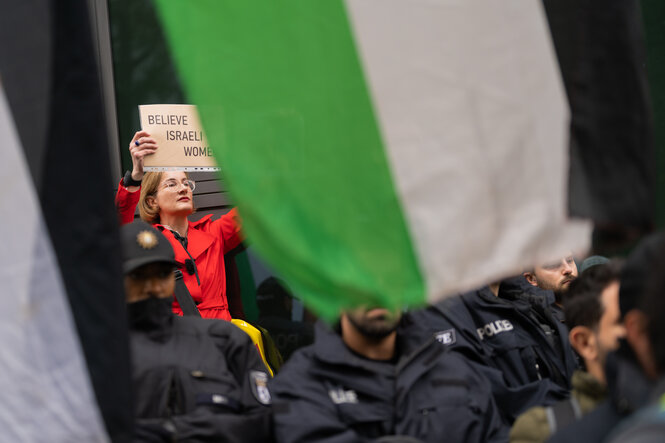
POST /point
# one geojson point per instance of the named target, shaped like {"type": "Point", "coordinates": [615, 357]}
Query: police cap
{"type": "Point", "coordinates": [143, 244]}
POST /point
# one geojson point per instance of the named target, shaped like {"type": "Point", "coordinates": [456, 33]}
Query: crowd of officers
{"type": "Point", "coordinates": [544, 355]}
{"type": "Point", "coordinates": [549, 354]}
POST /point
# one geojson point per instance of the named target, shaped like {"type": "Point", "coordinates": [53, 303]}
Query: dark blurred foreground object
{"type": "Point", "coordinates": [48, 71]}
{"type": "Point", "coordinates": [601, 51]}
{"type": "Point", "coordinates": [648, 423]}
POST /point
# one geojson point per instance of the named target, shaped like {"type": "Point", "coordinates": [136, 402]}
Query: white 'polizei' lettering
{"type": "Point", "coordinates": [493, 328]}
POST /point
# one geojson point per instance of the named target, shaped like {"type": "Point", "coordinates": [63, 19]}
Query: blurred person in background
{"type": "Point", "coordinates": [647, 425]}
{"type": "Point", "coordinates": [275, 304]}
{"type": "Point", "coordinates": [592, 313]}
{"type": "Point", "coordinates": [511, 335]}
{"type": "Point", "coordinates": [630, 371]}
{"type": "Point", "coordinates": [554, 277]}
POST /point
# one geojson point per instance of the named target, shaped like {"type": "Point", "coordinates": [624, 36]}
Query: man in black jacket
{"type": "Point", "coordinates": [553, 278]}
{"type": "Point", "coordinates": [630, 371]}
{"type": "Point", "coordinates": [194, 379]}
{"type": "Point", "coordinates": [373, 379]}
{"type": "Point", "coordinates": [512, 337]}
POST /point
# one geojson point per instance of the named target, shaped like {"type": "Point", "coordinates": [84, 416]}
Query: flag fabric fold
{"type": "Point", "coordinates": [602, 55]}
{"type": "Point", "coordinates": [46, 389]}
{"type": "Point", "coordinates": [384, 152]}
{"type": "Point", "coordinates": [65, 359]}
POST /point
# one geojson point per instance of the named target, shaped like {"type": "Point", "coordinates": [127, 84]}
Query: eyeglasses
{"type": "Point", "coordinates": [173, 185]}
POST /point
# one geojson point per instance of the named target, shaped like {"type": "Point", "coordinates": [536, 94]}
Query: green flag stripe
{"type": "Point", "coordinates": [475, 121]}
{"type": "Point", "coordinates": [285, 105]}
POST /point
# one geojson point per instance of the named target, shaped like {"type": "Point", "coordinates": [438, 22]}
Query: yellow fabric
{"type": "Point", "coordinates": [255, 335]}
{"type": "Point", "coordinates": [273, 356]}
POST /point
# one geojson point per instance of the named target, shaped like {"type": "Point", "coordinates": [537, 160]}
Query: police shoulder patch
{"type": "Point", "coordinates": [446, 337]}
{"type": "Point", "coordinates": [340, 396]}
{"type": "Point", "coordinates": [259, 384]}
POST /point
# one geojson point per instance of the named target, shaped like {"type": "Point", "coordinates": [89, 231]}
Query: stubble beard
{"type": "Point", "coordinates": [374, 328]}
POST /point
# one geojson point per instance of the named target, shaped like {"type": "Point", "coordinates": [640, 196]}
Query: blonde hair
{"type": "Point", "coordinates": [149, 187]}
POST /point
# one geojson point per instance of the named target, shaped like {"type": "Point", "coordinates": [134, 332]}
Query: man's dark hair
{"type": "Point", "coordinates": [638, 270]}
{"type": "Point", "coordinates": [582, 304]}
{"type": "Point", "coordinates": [653, 305]}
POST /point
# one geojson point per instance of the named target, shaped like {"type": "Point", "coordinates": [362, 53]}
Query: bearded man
{"type": "Point", "coordinates": [369, 377]}
{"type": "Point", "coordinates": [556, 277]}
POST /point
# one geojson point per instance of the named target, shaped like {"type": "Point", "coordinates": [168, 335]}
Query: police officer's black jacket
{"type": "Point", "coordinates": [513, 339]}
{"type": "Point", "coordinates": [199, 380]}
{"type": "Point", "coordinates": [327, 393]}
{"type": "Point", "coordinates": [519, 287]}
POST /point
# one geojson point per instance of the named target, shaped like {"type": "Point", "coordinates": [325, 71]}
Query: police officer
{"type": "Point", "coordinates": [555, 278]}
{"type": "Point", "coordinates": [368, 379]}
{"type": "Point", "coordinates": [512, 337]}
{"type": "Point", "coordinates": [194, 379]}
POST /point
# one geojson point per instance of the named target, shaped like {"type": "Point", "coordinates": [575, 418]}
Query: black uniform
{"type": "Point", "coordinates": [196, 379]}
{"type": "Point", "coordinates": [514, 340]}
{"type": "Point", "coordinates": [327, 393]}
{"type": "Point", "coordinates": [518, 287]}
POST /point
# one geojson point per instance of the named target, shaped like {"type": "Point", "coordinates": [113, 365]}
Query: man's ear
{"type": "Point", "coordinates": [583, 340]}
{"type": "Point", "coordinates": [637, 337]}
{"type": "Point", "coordinates": [531, 278]}
{"type": "Point", "coordinates": [636, 326]}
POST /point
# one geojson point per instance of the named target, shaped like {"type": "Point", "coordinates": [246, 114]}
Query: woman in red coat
{"type": "Point", "coordinates": [165, 200]}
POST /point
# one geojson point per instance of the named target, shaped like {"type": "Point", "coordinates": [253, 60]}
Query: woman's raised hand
{"type": "Point", "coordinates": [140, 146]}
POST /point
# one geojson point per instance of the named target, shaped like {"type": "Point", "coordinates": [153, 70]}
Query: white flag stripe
{"type": "Point", "coordinates": [473, 113]}
{"type": "Point", "coordinates": [46, 392]}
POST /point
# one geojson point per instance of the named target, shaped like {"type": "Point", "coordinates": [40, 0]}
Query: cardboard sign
{"type": "Point", "coordinates": [179, 135]}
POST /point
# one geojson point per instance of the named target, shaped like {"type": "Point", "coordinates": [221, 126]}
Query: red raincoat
{"type": "Point", "coordinates": [207, 242]}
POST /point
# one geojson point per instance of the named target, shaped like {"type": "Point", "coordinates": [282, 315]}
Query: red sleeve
{"type": "Point", "coordinates": [231, 230]}
{"type": "Point", "coordinates": [125, 203]}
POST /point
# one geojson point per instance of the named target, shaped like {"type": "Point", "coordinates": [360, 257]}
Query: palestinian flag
{"type": "Point", "coordinates": [602, 53]}
{"type": "Point", "coordinates": [384, 151]}
{"type": "Point", "coordinates": [64, 353]}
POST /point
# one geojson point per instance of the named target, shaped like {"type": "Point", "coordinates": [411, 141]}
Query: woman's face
{"type": "Point", "coordinates": [174, 197]}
